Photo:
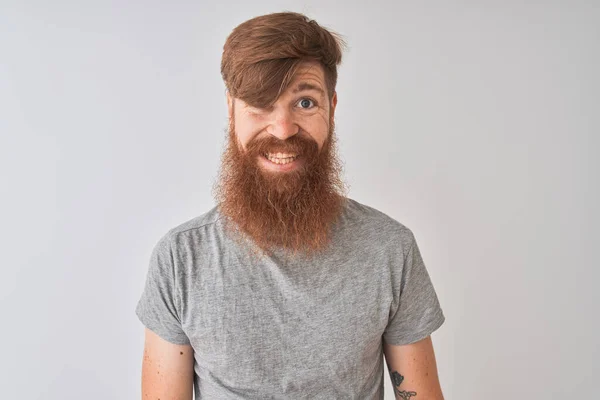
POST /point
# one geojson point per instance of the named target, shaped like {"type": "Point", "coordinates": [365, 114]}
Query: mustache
{"type": "Point", "coordinates": [303, 145]}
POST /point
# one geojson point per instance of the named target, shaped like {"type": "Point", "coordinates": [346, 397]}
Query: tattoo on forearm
{"type": "Point", "coordinates": [396, 381]}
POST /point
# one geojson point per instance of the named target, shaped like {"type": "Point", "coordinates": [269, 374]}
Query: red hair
{"type": "Point", "coordinates": [261, 55]}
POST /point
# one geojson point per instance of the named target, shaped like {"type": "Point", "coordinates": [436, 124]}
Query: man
{"type": "Point", "coordinates": [287, 289]}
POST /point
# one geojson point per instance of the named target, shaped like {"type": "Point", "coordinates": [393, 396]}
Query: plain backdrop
{"type": "Point", "coordinates": [475, 124]}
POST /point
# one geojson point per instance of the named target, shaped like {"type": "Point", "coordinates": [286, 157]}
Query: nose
{"type": "Point", "coordinates": [282, 125]}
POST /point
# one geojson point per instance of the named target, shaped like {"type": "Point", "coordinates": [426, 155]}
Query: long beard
{"type": "Point", "coordinates": [293, 210]}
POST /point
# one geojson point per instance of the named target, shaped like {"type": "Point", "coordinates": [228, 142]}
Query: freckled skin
{"type": "Point", "coordinates": [167, 370]}
{"type": "Point", "coordinates": [416, 362]}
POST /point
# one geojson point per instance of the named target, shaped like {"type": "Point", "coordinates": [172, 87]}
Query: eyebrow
{"type": "Point", "coordinates": [308, 86]}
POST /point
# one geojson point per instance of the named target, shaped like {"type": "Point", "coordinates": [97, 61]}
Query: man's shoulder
{"type": "Point", "coordinates": [379, 222]}
{"type": "Point", "coordinates": [193, 225]}
{"type": "Point", "coordinates": [361, 212]}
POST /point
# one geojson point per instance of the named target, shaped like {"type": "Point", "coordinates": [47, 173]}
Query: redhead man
{"type": "Point", "coordinates": [287, 288]}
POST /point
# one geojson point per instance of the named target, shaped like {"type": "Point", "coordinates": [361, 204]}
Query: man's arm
{"type": "Point", "coordinates": [167, 369]}
{"type": "Point", "coordinates": [413, 370]}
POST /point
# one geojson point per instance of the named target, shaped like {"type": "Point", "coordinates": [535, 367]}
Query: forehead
{"type": "Point", "coordinates": [308, 78]}
{"type": "Point", "coordinates": [309, 74]}
{"type": "Point", "coordinates": [310, 69]}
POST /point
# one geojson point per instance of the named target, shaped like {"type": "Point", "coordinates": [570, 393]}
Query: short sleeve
{"type": "Point", "coordinates": [418, 311]}
{"type": "Point", "coordinates": [158, 307]}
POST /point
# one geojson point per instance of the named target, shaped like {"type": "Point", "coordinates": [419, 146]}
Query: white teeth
{"type": "Point", "coordinates": [280, 158]}
{"type": "Point", "coordinates": [280, 155]}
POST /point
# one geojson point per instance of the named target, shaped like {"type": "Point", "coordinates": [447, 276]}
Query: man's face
{"type": "Point", "coordinates": [280, 179]}
{"type": "Point", "coordinates": [303, 109]}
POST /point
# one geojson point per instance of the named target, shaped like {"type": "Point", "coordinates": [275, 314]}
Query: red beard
{"type": "Point", "coordinates": [293, 210]}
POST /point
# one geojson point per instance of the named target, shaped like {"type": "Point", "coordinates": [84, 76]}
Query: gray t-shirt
{"type": "Point", "coordinates": [288, 328]}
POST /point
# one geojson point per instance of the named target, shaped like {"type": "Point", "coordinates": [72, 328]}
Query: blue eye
{"type": "Point", "coordinates": [306, 103]}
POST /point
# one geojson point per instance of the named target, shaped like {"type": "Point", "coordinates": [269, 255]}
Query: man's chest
{"type": "Point", "coordinates": [281, 327]}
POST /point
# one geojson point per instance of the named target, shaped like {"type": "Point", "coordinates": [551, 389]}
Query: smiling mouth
{"type": "Point", "coordinates": [281, 158]}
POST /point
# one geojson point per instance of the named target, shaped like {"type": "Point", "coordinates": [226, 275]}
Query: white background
{"type": "Point", "coordinates": [475, 124]}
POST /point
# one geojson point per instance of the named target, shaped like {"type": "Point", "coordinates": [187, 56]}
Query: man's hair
{"type": "Point", "coordinates": [261, 55]}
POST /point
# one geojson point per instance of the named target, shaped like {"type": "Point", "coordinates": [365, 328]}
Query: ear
{"type": "Point", "coordinates": [332, 105]}
{"type": "Point", "coordinates": [229, 105]}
